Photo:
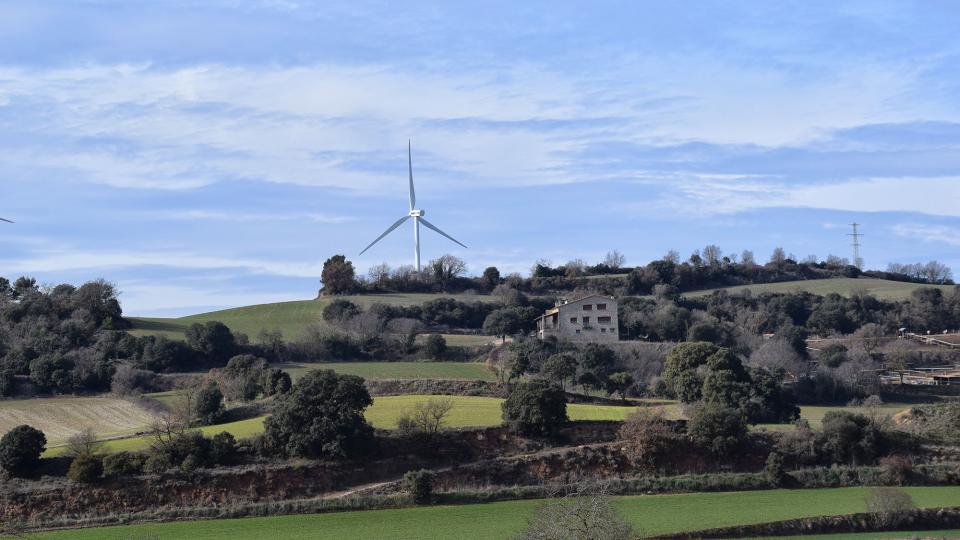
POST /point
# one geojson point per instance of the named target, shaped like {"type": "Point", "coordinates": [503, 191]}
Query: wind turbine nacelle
{"type": "Point", "coordinates": [417, 213]}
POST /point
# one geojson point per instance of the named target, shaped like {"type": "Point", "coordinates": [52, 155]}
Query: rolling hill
{"type": "Point", "coordinates": [293, 318]}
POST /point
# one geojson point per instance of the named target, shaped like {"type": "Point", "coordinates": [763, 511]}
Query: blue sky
{"type": "Point", "coordinates": [213, 154]}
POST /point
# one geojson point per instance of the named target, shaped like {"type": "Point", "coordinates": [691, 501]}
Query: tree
{"type": "Point", "coordinates": [560, 368]}
{"type": "Point", "coordinates": [419, 485]}
{"type": "Point", "coordinates": [851, 438]}
{"type": "Point", "coordinates": [778, 257]}
{"type": "Point", "coordinates": [596, 363]}
{"type": "Point", "coordinates": [211, 339]}
{"type": "Point", "coordinates": [426, 418]}
{"type": "Point", "coordinates": [446, 268]}
{"type": "Point", "coordinates": [892, 505]}
{"type": "Point", "coordinates": [20, 450]}
{"type": "Point", "coordinates": [338, 276]}
{"type": "Point", "coordinates": [379, 273]}
{"type": "Point", "coordinates": [747, 259]}
{"type": "Point", "coordinates": [584, 514]}
{"type": "Point", "coordinates": [870, 337]}
{"type": "Point", "coordinates": [614, 260]}
{"type": "Point", "coordinates": [833, 355]}
{"type": "Point", "coordinates": [208, 403]}
{"type": "Point", "coordinates": [680, 369]}
{"type": "Point", "coordinates": [435, 347]}
{"type": "Point", "coordinates": [717, 428]}
{"type": "Point", "coordinates": [712, 254]}
{"type": "Point", "coordinates": [535, 408]}
{"type": "Point", "coordinates": [321, 417]}
{"type": "Point", "coordinates": [648, 437]}
{"type": "Point", "coordinates": [726, 382]}
{"type": "Point", "coordinates": [491, 277]}
{"type": "Point", "coordinates": [340, 310]}
{"type": "Point", "coordinates": [83, 442]}
{"type": "Point", "coordinates": [774, 469]}
{"type": "Point", "coordinates": [502, 323]}
{"type": "Point", "coordinates": [619, 382]}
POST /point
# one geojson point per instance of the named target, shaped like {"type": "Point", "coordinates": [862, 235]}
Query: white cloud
{"type": "Point", "coordinates": [928, 233]}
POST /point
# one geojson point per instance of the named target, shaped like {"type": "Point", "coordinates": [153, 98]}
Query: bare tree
{"type": "Point", "coordinates": [614, 259]}
{"type": "Point", "coordinates": [778, 257]}
{"type": "Point", "coordinates": [672, 256]}
{"type": "Point", "coordinates": [711, 254]}
{"type": "Point", "coordinates": [778, 354]}
{"type": "Point", "coordinates": [426, 418]}
{"type": "Point", "coordinates": [83, 443]}
{"type": "Point", "coordinates": [891, 504]}
{"type": "Point", "coordinates": [746, 258]}
{"type": "Point", "coordinates": [870, 337]}
{"type": "Point", "coordinates": [446, 268]}
{"type": "Point", "coordinates": [583, 514]}
{"type": "Point", "coordinates": [575, 267]}
{"type": "Point", "coordinates": [379, 273]}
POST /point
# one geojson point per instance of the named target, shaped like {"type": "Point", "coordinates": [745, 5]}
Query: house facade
{"type": "Point", "coordinates": [591, 318]}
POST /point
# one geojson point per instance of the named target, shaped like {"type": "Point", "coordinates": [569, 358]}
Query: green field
{"type": "Point", "coordinates": [291, 318]}
{"type": "Point", "coordinates": [468, 411]}
{"type": "Point", "coordinates": [815, 413]}
{"type": "Point", "coordinates": [467, 371]}
{"type": "Point", "coordinates": [880, 288]}
{"type": "Point", "coordinates": [650, 514]}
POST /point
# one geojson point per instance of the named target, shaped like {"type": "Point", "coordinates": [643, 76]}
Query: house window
{"type": "Point", "coordinates": [586, 320]}
{"type": "Point", "coordinates": [603, 330]}
{"type": "Point", "coordinates": [573, 320]}
{"type": "Point", "coordinates": [603, 320]}
{"type": "Point", "coordinates": [578, 330]}
{"type": "Point", "coordinates": [588, 307]}
{"type": "Point", "coordinates": [601, 307]}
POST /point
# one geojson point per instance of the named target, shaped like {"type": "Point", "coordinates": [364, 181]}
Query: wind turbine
{"type": "Point", "coordinates": [417, 215]}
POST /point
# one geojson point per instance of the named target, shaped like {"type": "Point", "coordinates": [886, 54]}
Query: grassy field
{"type": "Point", "coordinates": [61, 417]}
{"type": "Point", "coordinates": [291, 318]}
{"type": "Point", "coordinates": [650, 515]}
{"type": "Point", "coordinates": [468, 411]}
{"type": "Point", "coordinates": [467, 371]}
{"type": "Point", "coordinates": [815, 413]}
{"type": "Point", "coordinates": [881, 288]}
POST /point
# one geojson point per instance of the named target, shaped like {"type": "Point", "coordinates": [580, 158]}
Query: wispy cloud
{"type": "Point", "coordinates": [928, 233]}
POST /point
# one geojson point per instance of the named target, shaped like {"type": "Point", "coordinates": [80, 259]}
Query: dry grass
{"type": "Point", "coordinates": [61, 417]}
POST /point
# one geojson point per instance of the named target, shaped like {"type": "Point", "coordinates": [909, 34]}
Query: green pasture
{"type": "Point", "coordinates": [650, 515]}
{"type": "Point", "coordinates": [468, 411]}
{"type": "Point", "coordinates": [815, 413]}
{"type": "Point", "coordinates": [467, 371]}
{"type": "Point", "coordinates": [881, 288]}
{"type": "Point", "coordinates": [291, 318]}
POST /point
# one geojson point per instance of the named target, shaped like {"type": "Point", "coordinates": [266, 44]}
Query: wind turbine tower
{"type": "Point", "coordinates": [417, 215]}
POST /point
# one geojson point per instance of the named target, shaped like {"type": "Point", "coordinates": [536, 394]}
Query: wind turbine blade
{"type": "Point", "coordinates": [432, 226]}
{"type": "Point", "coordinates": [386, 232]}
{"type": "Point", "coordinates": [7, 220]}
{"type": "Point", "coordinates": [413, 195]}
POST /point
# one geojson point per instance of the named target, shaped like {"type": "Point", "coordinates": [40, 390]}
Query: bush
{"type": "Point", "coordinates": [223, 448]}
{"type": "Point", "coordinates": [189, 450]}
{"type": "Point", "coordinates": [851, 438]}
{"type": "Point", "coordinates": [123, 464]}
{"type": "Point", "coordinates": [321, 417]}
{"type": "Point", "coordinates": [208, 405]}
{"type": "Point", "coordinates": [716, 428]}
{"type": "Point", "coordinates": [897, 469]}
{"type": "Point", "coordinates": [419, 485]}
{"type": "Point", "coordinates": [85, 468]}
{"type": "Point", "coordinates": [426, 418]}
{"type": "Point", "coordinates": [892, 505]}
{"type": "Point", "coordinates": [20, 450]}
{"type": "Point", "coordinates": [648, 437]}
{"type": "Point", "coordinates": [436, 347]}
{"type": "Point", "coordinates": [774, 469]}
{"type": "Point", "coordinates": [276, 382]}
{"type": "Point", "coordinates": [535, 408]}
{"type": "Point", "coordinates": [340, 310]}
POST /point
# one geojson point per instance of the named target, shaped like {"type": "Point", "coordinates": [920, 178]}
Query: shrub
{"type": "Point", "coordinates": [586, 513]}
{"type": "Point", "coordinates": [276, 382]}
{"type": "Point", "coordinates": [897, 469]}
{"type": "Point", "coordinates": [891, 504]}
{"type": "Point", "coordinates": [321, 416]}
{"type": "Point", "coordinates": [851, 438]}
{"type": "Point", "coordinates": [426, 418]}
{"type": "Point", "coordinates": [85, 468]}
{"type": "Point", "coordinates": [535, 408]}
{"type": "Point", "coordinates": [83, 442]}
{"type": "Point", "coordinates": [223, 448]}
{"type": "Point", "coordinates": [188, 450]}
{"type": "Point", "coordinates": [716, 428]}
{"type": "Point", "coordinates": [20, 450]}
{"type": "Point", "coordinates": [419, 485]}
{"type": "Point", "coordinates": [123, 464]}
{"type": "Point", "coordinates": [339, 310]}
{"type": "Point", "coordinates": [648, 437]}
{"type": "Point", "coordinates": [774, 469]}
{"type": "Point", "coordinates": [436, 347]}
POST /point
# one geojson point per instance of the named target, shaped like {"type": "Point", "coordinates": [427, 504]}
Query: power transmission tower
{"type": "Point", "coordinates": [857, 261]}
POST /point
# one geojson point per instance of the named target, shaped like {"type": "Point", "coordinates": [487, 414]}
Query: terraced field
{"type": "Point", "coordinates": [466, 371]}
{"type": "Point", "coordinates": [291, 318]}
{"type": "Point", "coordinates": [881, 288]}
{"type": "Point", "coordinates": [468, 411]}
{"type": "Point", "coordinates": [815, 413]}
{"type": "Point", "coordinates": [61, 417]}
{"type": "Point", "coordinates": [649, 514]}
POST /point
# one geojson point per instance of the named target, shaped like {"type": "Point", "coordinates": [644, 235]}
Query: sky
{"type": "Point", "coordinates": [212, 154]}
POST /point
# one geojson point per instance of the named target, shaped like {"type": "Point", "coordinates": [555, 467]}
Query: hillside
{"type": "Point", "coordinates": [291, 318]}
{"type": "Point", "coordinates": [881, 288]}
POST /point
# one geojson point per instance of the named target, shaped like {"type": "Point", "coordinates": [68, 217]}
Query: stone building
{"type": "Point", "coordinates": [591, 318]}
